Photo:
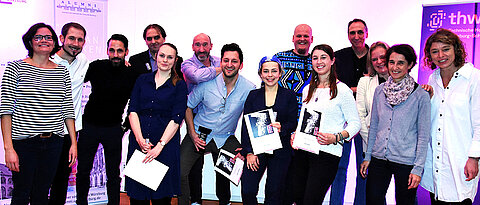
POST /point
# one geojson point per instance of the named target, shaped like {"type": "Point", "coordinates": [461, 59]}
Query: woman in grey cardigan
{"type": "Point", "coordinates": [399, 131]}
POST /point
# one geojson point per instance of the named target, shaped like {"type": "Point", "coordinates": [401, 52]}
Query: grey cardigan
{"type": "Point", "coordinates": [401, 133]}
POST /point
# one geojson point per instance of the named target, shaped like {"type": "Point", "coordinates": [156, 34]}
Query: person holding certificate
{"type": "Point", "coordinates": [399, 131]}
{"type": "Point", "coordinates": [157, 107]}
{"type": "Point", "coordinates": [283, 102]}
{"type": "Point", "coordinates": [331, 105]}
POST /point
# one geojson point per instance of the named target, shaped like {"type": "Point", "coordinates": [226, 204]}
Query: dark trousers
{"type": "Point", "coordinates": [277, 166]}
{"type": "Point", "coordinates": [38, 159]}
{"type": "Point", "coordinates": [89, 139]}
{"type": "Point", "coordinates": [297, 163]}
{"type": "Point", "coordinates": [337, 192]}
{"type": "Point", "coordinates": [189, 156]}
{"type": "Point", "coordinates": [379, 177]}
{"type": "Point", "coordinates": [320, 172]}
{"type": "Point", "coordinates": [58, 191]}
{"type": "Point", "coordinates": [195, 179]}
{"type": "Point", "coordinates": [436, 202]}
{"type": "Point", "coordinates": [162, 201]}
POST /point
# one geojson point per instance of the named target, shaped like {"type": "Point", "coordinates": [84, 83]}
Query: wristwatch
{"type": "Point", "coordinates": [162, 143]}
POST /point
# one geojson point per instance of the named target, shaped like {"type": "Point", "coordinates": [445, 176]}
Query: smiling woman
{"type": "Point", "coordinates": [33, 129]}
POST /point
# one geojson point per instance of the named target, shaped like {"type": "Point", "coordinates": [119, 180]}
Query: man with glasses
{"type": "Point", "coordinates": [222, 100]}
{"type": "Point", "coordinates": [200, 68]}
{"type": "Point", "coordinates": [351, 65]}
{"type": "Point", "coordinates": [145, 62]}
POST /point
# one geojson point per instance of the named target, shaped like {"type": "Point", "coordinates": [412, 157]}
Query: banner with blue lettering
{"type": "Point", "coordinates": [462, 19]}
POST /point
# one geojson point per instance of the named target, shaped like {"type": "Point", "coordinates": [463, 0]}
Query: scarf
{"type": "Point", "coordinates": [396, 93]}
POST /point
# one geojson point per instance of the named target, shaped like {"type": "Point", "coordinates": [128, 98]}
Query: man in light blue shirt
{"type": "Point", "coordinates": [220, 102]}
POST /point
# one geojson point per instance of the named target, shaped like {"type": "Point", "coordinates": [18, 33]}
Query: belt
{"type": "Point", "coordinates": [46, 135]}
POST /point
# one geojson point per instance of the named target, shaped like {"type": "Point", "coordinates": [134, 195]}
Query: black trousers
{"type": "Point", "coordinates": [276, 165]}
{"type": "Point", "coordinates": [89, 139]}
{"type": "Point", "coordinates": [379, 177]}
{"type": "Point", "coordinates": [58, 191]}
{"type": "Point", "coordinates": [189, 156]}
{"type": "Point", "coordinates": [162, 201]}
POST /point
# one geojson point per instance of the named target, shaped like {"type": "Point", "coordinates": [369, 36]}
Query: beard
{"type": "Point", "coordinates": [70, 53]}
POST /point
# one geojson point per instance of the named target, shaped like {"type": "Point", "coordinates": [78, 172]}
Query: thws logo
{"type": "Point", "coordinates": [78, 6]}
{"type": "Point", "coordinates": [456, 18]}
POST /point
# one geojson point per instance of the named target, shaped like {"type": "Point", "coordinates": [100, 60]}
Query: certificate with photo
{"type": "Point", "coordinates": [229, 166]}
{"type": "Point", "coordinates": [263, 137]}
{"type": "Point", "coordinates": [307, 129]}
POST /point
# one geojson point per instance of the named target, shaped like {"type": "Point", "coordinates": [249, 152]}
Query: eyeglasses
{"type": "Point", "coordinates": [155, 37]}
{"type": "Point", "coordinates": [222, 106]}
{"type": "Point", "coordinates": [40, 37]}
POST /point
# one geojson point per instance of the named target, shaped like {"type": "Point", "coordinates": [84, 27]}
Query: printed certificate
{"type": "Point", "coordinates": [263, 137]}
{"type": "Point", "coordinates": [307, 129]}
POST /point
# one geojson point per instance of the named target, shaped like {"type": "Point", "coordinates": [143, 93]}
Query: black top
{"type": "Point", "coordinates": [140, 60]}
{"type": "Point", "coordinates": [284, 106]}
{"type": "Point", "coordinates": [350, 68]}
{"type": "Point", "coordinates": [111, 88]}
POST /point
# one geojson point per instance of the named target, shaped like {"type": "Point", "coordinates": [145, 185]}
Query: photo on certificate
{"type": "Point", "coordinates": [307, 129]}
{"type": "Point", "coordinates": [229, 166]}
{"type": "Point", "coordinates": [263, 136]}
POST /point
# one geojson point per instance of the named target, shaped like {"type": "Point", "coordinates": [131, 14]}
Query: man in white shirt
{"type": "Point", "coordinates": [72, 38]}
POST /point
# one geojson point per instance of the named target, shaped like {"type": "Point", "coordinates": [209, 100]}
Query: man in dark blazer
{"type": "Point", "coordinates": [145, 62]}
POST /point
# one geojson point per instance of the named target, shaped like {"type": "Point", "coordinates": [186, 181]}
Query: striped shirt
{"type": "Point", "coordinates": [38, 99]}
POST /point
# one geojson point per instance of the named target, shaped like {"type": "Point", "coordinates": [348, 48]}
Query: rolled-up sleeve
{"type": "Point", "coordinates": [180, 105]}
{"type": "Point", "coordinates": [197, 74]}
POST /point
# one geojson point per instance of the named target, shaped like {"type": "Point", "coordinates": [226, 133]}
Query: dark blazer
{"type": "Point", "coordinates": [140, 60]}
{"type": "Point", "coordinates": [286, 108]}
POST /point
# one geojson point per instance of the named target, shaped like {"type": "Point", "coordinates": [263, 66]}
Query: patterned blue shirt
{"type": "Point", "coordinates": [298, 70]}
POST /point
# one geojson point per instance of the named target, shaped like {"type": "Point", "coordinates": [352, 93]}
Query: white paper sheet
{"type": "Point", "coordinates": [149, 174]}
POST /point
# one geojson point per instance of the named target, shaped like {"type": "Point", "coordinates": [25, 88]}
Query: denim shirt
{"type": "Point", "coordinates": [400, 133]}
{"type": "Point", "coordinates": [216, 110]}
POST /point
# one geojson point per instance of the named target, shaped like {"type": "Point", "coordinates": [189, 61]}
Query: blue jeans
{"type": "Point", "coordinates": [338, 187]}
{"type": "Point", "coordinates": [38, 160]}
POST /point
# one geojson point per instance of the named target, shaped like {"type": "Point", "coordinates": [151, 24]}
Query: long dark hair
{"type": "Point", "coordinates": [332, 77]}
{"type": "Point", "coordinates": [174, 74]}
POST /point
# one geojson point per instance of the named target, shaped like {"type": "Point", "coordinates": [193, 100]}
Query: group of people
{"type": "Point", "coordinates": [421, 134]}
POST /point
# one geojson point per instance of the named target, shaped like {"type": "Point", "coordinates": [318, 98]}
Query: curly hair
{"type": "Point", "coordinates": [447, 37]}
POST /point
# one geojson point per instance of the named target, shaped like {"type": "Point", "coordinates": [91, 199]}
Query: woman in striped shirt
{"type": "Point", "coordinates": [36, 100]}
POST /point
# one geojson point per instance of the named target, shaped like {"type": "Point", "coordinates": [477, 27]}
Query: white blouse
{"type": "Point", "coordinates": [455, 135]}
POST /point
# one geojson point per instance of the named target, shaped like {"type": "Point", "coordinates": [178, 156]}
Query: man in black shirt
{"type": "Point", "coordinates": [111, 82]}
{"type": "Point", "coordinates": [351, 66]}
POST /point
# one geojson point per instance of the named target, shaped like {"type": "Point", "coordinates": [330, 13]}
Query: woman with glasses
{"type": "Point", "coordinates": [36, 102]}
{"type": "Point", "coordinates": [157, 108]}
{"type": "Point", "coordinates": [451, 169]}
{"type": "Point", "coordinates": [283, 103]}
{"type": "Point", "coordinates": [398, 134]}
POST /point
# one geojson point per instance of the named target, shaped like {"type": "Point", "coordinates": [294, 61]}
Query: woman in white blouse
{"type": "Point", "coordinates": [451, 167]}
{"type": "Point", "coordinates": [377, 74]}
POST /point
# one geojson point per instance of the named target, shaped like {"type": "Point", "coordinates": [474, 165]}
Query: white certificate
{"type": "Point", "coordinates": [149, 174]}
{"type": "Point", "coordinates": [263, 137]}
{"type": "Point", "coordinates": [307, 129]}
{"type": "Point", "coordinates": [229, 166]}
